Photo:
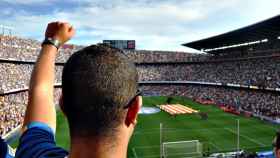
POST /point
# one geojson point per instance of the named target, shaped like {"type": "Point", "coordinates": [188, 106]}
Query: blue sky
{"type": "Point", "coordinates": [154, 24]}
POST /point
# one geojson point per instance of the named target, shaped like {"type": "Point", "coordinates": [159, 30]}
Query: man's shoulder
{"type": "Point", "coordinates": [38, 142]}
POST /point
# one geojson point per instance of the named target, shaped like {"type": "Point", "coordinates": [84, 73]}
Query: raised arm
{"type": "Point", "coordinates": [40, 106]}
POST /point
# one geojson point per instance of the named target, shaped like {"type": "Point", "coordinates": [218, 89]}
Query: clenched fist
{"type": "Point", "coordinates": [60, 31]}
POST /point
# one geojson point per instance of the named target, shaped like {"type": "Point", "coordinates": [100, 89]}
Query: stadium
{"type": "Point", "coordinates": [222, 103]}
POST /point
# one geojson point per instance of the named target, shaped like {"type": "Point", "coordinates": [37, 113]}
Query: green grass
{"type": "Point", "coordinates": [217, 134]}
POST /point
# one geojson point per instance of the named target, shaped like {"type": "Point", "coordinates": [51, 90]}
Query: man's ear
{"type": "Point", "coordinates": [132, 113]}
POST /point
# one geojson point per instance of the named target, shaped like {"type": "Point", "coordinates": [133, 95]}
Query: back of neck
{"type": "Point", "coordinates": [96, 148]}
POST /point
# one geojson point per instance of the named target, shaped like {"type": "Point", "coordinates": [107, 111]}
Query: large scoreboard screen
{"type": "Point", "coordinates": [121, 44]}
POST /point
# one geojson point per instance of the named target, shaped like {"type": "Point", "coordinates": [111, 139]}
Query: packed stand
{"type": "Point", "coordinates": [145, 56]}
{"type": "Point", "coordinates": [12, 47]}
{"type": "Point", "coordinates": [263, 72]}
{"type": "Point", "coordinates": [11, 117]}
{"type": "Point", "coordinates": [152, 66]}
{"type": "Point", "coordinates": [22, 49]}
{"type": "Point", "coordinates": [12, 110]}
{"type": "Point", "coordinates": [259, 103]}
{"type": "Point", "coordinates": [17, 76]}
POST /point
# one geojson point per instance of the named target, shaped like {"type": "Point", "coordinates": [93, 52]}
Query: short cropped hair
{"type": "Point", "coordinates": [97, 83]}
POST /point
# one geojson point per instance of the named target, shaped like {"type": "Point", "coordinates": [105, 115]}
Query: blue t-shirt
{"type": "Point", "coordinates": [38, 141]}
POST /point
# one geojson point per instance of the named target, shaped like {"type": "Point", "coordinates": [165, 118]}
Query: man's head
{"type": "Point", "coordinates": [276, 145]}
{"type": "Point", "coordinates": [99, 87]}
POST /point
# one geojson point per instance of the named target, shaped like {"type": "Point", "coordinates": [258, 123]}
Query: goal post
{"type": "Point", "coordinates": [192, 148]}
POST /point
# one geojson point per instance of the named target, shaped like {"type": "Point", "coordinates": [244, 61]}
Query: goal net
{"type": "Point", "coordinates": [191, 148]}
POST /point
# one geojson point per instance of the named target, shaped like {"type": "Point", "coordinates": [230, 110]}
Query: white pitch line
{"type": "Point", "coordinates": [246, 137]}
{"type": "Point", "coordinates": [219, 149]}
{"type": "Point", "coordinates": [134, 152]}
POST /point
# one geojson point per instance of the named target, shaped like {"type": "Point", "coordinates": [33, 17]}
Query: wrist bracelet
{"type": "Point", "coordinates": [51, 41]}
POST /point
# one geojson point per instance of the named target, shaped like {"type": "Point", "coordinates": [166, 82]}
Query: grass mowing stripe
{"type": "Point", "coordinates": [246, 137]}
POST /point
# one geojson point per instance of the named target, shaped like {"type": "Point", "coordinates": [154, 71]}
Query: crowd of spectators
{"type": "Point", "coordinates": [13, 47]}
{"type": "Point", "coordinates": [12, 109]}
{"type": "Point", "coordinates": [145, 56]}
{"type": "Point", "coordinates": [22, 49]}
{"type": "Point", "coordinates": [258, 72]}
{"type": "Point", "coordinates": [152, 66]}
{"type": "Point", "coordinates": [16, 76]}
{"type": "Point", "coordinates": [11, 117]}
{"type": "Point", "coordinates": [259, 103]}
{"type": "Point", "coordinates": [262, 72]}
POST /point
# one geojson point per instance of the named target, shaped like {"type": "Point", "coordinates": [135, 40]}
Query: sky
{"type": "Point", "coordinates": [154, 24]}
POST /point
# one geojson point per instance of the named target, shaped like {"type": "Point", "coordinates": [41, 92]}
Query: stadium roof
{"type": "Point", "coordinates": [266, 29]}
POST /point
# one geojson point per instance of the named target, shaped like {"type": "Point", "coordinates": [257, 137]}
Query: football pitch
{"type": "Point", "coordinates": [217, 134]}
